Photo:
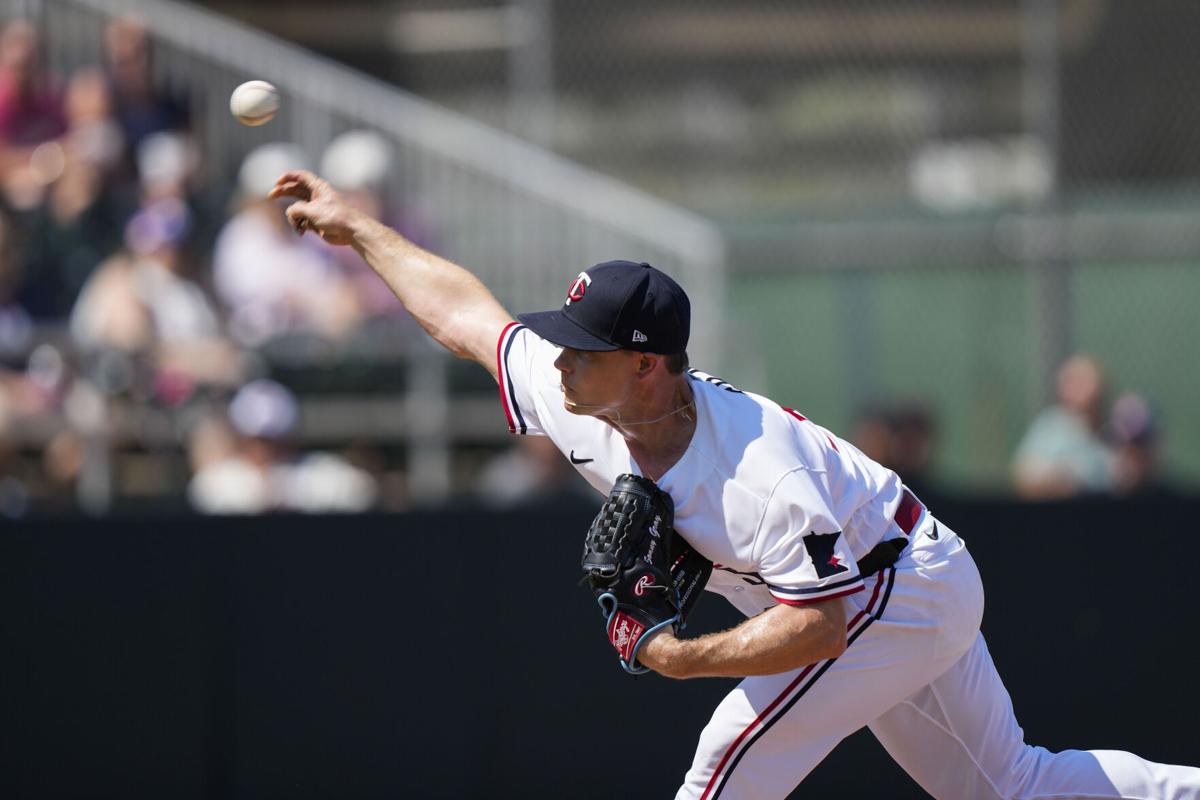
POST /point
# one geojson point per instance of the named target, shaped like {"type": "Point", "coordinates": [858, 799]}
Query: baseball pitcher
{"type": "Point", "coordinates": [862, 608]}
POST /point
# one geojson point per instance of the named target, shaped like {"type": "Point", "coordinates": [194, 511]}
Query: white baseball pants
{"type": "Point", "coordinates": [918, 674]}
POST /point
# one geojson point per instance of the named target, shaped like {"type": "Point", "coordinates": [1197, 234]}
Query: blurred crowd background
{"type": "Point", "coordinates": [962, 234]}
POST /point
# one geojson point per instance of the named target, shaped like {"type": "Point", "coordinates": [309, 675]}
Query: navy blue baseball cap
{"type": "Point", "coordinates": [618, 305]}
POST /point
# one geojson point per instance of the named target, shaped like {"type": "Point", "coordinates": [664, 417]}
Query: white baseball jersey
{"type": "Point", "coordinates": [783, 507]}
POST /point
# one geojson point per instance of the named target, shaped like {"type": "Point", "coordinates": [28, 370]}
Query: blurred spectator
{"type": "Point", "coordinates": [138, 297]}
{"type": "Point", "coordinates": [69, 235]}
{"type": "Point", "coordinates": [14, 493]}
{"type": "Point", "coordinates": [46, 390]}
{"type": "Point", "coordinates": [170, 166]}
{"type": "Point", "coordinates": [24, 480]}
{"type": "Point", "coordinates": [914, 443]}
{"type": "Point", "coordinates": [79, 222]}
{"type": "Point", "coordinates": [1062, 454]}
{"type": "Point", "coordinates": [139, 302]}
{"type": "Point", "coordinates": [531, 471]}
{"type": "Point", "coordinates": [31, 118]}
{"type": "Point", "coordinates": [142, 108]}
{"type": "Point", "coordinates": [271, 281]}
{"type": "Point", "coordinates": [224, 481]}
{"type": "Point", "coordinates": [900, 437]}
{"type": "Point", "coordinates": [873, 434]}
{"type": "Point", "coordinates": [358, 164]}
{"type": "Point", "coordinates": [247, 467]}
{"type": "Point", "coordinates": [93, 134]}
{"type": "Point", "coordinates": [166, 164]}
{"type": "Point", "coordinates": [63, 462]}
{"type": "Point", "coordinates": [30, 106]}
{"type": "Point", "coordinates": [16, 327]}
{"type": "Point", "coordinates": [1133, 430]}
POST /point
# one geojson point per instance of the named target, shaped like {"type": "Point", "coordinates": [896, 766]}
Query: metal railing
{"type": "Point", "coordinates": [522, 218]}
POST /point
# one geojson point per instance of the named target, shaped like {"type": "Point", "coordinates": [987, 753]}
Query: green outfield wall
{"type": "Point", "coordinates": [964, 341]}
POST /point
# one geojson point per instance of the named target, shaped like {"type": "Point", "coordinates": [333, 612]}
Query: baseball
{"type": "Point", "coordinates": [254, 102]}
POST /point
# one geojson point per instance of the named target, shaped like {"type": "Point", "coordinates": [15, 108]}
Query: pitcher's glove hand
{"type": "Point", "coordinates": [643, 574]}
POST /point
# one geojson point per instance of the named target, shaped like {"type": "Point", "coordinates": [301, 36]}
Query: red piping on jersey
{"type": "Point", "coordinates": [810, 601]}
{"type": "Point", "coordinates": [500, 370]}
{"type": "Point", "coordinates": [870, 603]}
{"type": "Point", "coordinates": [799, 678]}
{"type": "Point", "coordinates": [803, 418]}
{"type": "Point", "coordinates": [752, 726]}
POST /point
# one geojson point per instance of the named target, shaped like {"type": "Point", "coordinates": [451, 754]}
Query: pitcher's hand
{"type": "Point", "coordinates": [320, 208]}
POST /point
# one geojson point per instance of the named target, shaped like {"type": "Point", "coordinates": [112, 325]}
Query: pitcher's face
{"type": "Point", "coordinates": [596, 383]}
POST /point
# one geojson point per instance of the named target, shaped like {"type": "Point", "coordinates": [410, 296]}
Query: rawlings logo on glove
{"type": "Point", "coordinates": [624, 633]}
{"type": "Point", "coordinates": [643, 574]}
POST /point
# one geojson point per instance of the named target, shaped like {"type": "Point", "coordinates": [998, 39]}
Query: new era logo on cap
{"type": "Point", "coordinates": [629, 306]}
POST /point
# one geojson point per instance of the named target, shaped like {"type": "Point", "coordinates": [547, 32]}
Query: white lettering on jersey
{"type": "Point", "coordinates": [714, 380]}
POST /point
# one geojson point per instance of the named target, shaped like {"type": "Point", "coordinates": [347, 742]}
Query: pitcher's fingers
{"type": "Point", "coordinates": [295, 183]}
{"type": "Point", "coordinates": [290, 189]}
{"type": "Point", "coordinates": [285, 190]}
{"type": "Point", "coordinates": [297, 216]}
{"type": "Point", "coordinates": [298, 176]}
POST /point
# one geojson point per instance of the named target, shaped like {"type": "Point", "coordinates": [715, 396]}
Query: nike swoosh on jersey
{"type": "Point", "coordinates": [575, 460]}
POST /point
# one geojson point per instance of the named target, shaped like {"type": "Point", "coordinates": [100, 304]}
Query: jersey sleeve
{"type": "Point", "coordinates": [804, 557]}
{"type": "Point", "coordinates": [527, 377]}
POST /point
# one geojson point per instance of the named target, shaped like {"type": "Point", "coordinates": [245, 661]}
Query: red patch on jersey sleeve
{"type": "Point", "coordinates": [908, 513]}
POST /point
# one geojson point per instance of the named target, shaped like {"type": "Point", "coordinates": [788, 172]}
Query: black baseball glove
{"type": "Point", "coordinates": [643, 574]}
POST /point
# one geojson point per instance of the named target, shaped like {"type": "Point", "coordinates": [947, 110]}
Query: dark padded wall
{"type": "Point", "coordinates": [452, 655]}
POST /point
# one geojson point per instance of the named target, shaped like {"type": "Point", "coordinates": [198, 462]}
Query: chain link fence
{"type": "Point", "coordinates": [927, 201]}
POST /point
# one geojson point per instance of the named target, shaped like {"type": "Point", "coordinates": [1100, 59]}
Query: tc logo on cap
{"type": "Point", "coordinates": [579, 288]}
